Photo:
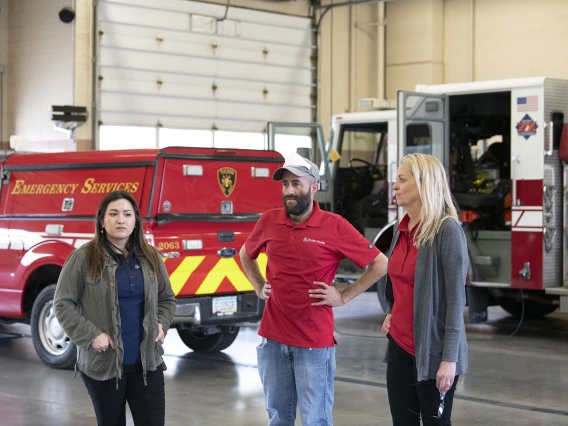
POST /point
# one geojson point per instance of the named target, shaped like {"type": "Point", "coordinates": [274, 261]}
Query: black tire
{"type": "Point", "coordinates": [533, 309]}
{"type": "Point", "coordinates": [200, 342]}
{"type": "Point", "coordinates": [51, 343]}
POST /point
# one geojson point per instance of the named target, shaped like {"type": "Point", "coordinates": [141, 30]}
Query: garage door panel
{"type": "Point", "coordinates": [152, 18]}
{"type": "Point", "coordinates": [170, 105]}
{"type": "Point", "coordinates": [192, 49]}
{"type": "Point", "coordinates": [126, 76]}
{"type": "Point", "coordinates": [158, 18]}
{"type": "Point", "coordinates": [111, 30]}
{"type": "Point", "coordinates": [153, 70]}
{"type": "Point", "coordinates": [203, 92]}
{"type": "Point", "coordinates": [203, 66]}
{"type": "Point", "coordinates": [182, 122]}
{"type": "Point", "coordinates": [218, 10]}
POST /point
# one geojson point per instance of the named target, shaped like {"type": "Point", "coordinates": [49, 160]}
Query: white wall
{"type": "Point", "coordinates": [40, 68]}
{"type": "Point", "coordinates": [347, 59]}
{"type": "Point", "coordinates": [451, 41]}
{"type": "Point", "coordinates": [516, 38]}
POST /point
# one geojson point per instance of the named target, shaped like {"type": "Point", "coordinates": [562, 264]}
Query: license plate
{"type": "Point", "coordinates": [224, 306]}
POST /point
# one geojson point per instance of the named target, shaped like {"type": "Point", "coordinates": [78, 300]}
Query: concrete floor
{"type": "Point", "coordinates": [521, 380]}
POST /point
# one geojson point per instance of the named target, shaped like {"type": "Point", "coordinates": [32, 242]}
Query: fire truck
{"type": "Point", "coordinates": [504, 145]}
{"type": "Point", "coordinates": [198, 207]}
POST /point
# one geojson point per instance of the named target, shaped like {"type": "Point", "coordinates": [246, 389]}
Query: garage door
{"type": "Point", "coordinates": [192, 65]}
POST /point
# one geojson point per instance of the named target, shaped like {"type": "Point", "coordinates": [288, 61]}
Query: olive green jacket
{"type": "Point", "coordinates": [87, 306]}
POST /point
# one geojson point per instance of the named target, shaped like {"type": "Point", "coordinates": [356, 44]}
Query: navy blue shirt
{"type": "Point", "coordinates": [130, 283]}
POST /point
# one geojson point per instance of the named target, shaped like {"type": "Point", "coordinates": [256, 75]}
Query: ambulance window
{"type": "Point", "coordinates": [299, 137]}
{"type": "Point", "coordinates": [418, 139]}
{"type": "Point", "coordinates": [363, 143]}
{"type": "Point", "coordinates": [288, 144]}
{"type": "Point", "coordinates": [359, 144]}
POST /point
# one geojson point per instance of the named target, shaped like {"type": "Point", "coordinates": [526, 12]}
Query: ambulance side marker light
{"type": "Point", "coordinates": [192, 170]}
{"type": "Point", "coordinates": [193, 244]}
{"type": "Point", "coordinates": [260, 172]}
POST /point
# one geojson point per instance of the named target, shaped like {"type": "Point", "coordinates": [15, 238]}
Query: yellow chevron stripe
{"type": "Point", "coordinates": [179, 277]}
{"type": "Point", "coordinates": [225, 268]}
{"type": "Point", "coordinates": [230, 269]}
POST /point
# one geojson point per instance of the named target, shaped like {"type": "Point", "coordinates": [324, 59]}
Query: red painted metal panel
{"type": "Point", "coordinates": [42, 192]}
{"type": "Point", "coordinates": [222, 180]}
{"type": "Point", "coordinates": [529, 192]}
{"type": "Point", "coordinates": [527, 247]}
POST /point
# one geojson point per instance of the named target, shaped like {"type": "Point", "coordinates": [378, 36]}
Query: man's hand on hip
{"type": "Point", "coordinates": [265, 291]}
{"type": "Point", "coordinates": [328, 294]}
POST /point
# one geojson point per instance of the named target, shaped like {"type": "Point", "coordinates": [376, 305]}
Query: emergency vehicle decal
{"type": "Point", "coordinates": [22, 240]}
{"type": "Point", "coordinates": [214, 274]}
{"type": "Point", "coordinates": [526, 127]}
{"type": "Point", "coordinates": [527, 103]}
{"type": "Point", "coordinates": [89, 186]}
{"type": "Point", "coordinates": [227, 180]}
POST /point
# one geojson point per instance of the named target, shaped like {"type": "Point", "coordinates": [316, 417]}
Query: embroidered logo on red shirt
{"type": "Point", "coordinates": [310, 240]}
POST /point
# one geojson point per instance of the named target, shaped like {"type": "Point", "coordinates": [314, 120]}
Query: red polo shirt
{"type": "Point", "coordinates": [402, 269]}
{"type": "Point", "coordinates": [297, 256]}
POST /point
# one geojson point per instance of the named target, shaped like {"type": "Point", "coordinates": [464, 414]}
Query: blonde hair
{"type": "Point", "coordinates": [437, 204]}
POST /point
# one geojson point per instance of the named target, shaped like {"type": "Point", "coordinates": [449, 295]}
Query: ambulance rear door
{"type": "Point", "coordinates": [208, 201]}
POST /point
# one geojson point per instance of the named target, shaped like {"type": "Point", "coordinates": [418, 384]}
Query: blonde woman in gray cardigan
{"type": "Point", "coordinates": [425, 287]}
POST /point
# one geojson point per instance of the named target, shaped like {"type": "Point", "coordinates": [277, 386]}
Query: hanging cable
{"type": "Point", "coordinates": [226, 12]}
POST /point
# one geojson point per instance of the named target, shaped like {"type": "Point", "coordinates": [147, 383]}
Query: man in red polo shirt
{"type": "Point", "coordinates": [304, 245]}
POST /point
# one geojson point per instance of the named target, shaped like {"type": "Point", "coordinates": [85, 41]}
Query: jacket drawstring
{"type": "Point", "coordinates": [75, 373]}
{"type": "Point", "coordinates": [144, 375]}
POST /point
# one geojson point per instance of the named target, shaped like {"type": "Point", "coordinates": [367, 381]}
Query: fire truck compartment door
{"type": "Point", "coordinates": [287, 138]}
{"type": "Point", "coordinates": [423, 125]}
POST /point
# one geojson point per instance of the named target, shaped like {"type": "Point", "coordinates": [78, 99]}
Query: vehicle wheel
{"type": "Point", "coordinates": [532, 309]}
{"type": "Point", "coordinates": [200, 342]}
{"type": "Point", "coordinates": [51, 343]}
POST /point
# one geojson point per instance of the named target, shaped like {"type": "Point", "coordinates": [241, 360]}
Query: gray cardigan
{"type": "Point", "coordinates": [439, 300]}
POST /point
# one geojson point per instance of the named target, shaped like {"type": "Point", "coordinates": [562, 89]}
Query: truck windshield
{"type": "Point", "coordinates": [360, 178]}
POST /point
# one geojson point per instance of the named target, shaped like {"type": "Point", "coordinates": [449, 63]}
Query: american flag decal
{"type": "Point", "coordinates": [527, 104]}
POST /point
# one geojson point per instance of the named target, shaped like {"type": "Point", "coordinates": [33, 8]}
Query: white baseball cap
{"type": "Point", "coordinates": [298, 165]}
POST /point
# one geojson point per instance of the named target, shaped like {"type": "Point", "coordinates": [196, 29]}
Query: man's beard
{"type": "Point", "coordinates": [303, 203]}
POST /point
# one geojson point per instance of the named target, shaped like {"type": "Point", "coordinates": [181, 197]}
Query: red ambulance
{"type": "Point", "coordinates": [198, 206]}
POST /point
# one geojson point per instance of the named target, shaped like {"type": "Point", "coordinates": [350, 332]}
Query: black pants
{"type": "Point", "coordinates": [147, 403]}
{"type": "Point", "coordinates": [410, 400]}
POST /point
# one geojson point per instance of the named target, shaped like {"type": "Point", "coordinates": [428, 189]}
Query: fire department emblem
{"type": "Point", "coordinates": [227, 180]}
{"type": "Point", "coordinates": [527, 127]}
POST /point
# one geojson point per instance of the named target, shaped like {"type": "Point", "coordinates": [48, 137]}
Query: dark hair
{"type": "Point", "coordinates": [100, 245]}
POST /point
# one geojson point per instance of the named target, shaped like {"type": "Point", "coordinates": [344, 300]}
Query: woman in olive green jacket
{"type": "Point", "coordinates": [115, 302]}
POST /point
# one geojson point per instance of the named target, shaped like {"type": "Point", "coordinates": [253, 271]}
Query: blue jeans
{"type": "Point", "coordinates": [292, 376]}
